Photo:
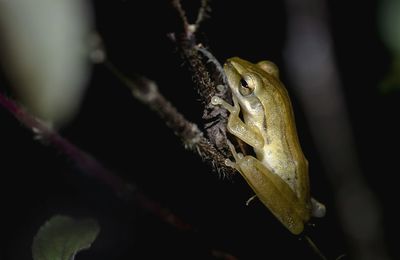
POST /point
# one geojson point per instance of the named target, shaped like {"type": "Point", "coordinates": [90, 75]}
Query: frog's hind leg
{"type": "Point", "coordinates": [275, 194]}
{"type": "Point", "coordinates": [251, 199]}
{"type": "Point", "coordinates": [236, 165]}
{"type": "Point", "coordinates": [237, 156]}
{"type": "Point", "coordinates": [318, 209]}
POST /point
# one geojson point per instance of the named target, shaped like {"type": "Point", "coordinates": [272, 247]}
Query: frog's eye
{"type": "Point", "coordinates": [246, 86]}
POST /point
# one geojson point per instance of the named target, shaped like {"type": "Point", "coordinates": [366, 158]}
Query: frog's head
{"type": "Point", "coordinates": [247, 82]}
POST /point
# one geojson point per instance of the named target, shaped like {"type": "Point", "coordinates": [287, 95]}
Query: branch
{"type": "Point", "coordinates": [213, 148]}
{"type": "Point", "coordinates": [203, 12]}
{"type": "Point", "coordinates": [206, 78]}
{"type": "Point", "coordinates": [193, 139]}
{"type": "Point", "coordinates": [89, 165]}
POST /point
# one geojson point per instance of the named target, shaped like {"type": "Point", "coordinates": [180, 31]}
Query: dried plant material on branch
{"type": "Point", "coordinates": [191, 136]}
{"type": "Point", "coordinates": [207, 74]}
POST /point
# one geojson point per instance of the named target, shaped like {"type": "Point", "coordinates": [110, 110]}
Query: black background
{"type": "Point", "coordinates": [38, 182]}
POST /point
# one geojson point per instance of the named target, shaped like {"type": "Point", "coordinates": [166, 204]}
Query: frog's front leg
{"type": "Point", "coordinates": [236, 126]}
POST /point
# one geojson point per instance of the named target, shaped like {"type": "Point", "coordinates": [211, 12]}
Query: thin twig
{"type": "Point", "coordinates": [203, 12]}
{"type": "Point", "coordinates": [182, 14]}
{"type": "Point", "coordinates": [82, 160]}
{"type": "Point", "coordinates": [214, 61]}
{"type": "Point", "coordinates": [89, 165]}
{"type": "Point", "coordinates": [314, 247]}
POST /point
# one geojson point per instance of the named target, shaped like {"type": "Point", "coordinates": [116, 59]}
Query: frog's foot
{"type": "Point", "coordinates": [236, 156]}
{"type": "Point", "coordinates": [251, 199]}
{"type": "Point", "coordinates": [229, 163]}
{"type": "Point", "coordinates": [235, 109]}
{"type": "Point", "coordinates": [318, 209]}
{"type": "Point", "coordinates": [217, 101]}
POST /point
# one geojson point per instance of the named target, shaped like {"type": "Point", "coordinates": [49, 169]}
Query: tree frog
{"type": "Point", "coordinates": [262, 116]}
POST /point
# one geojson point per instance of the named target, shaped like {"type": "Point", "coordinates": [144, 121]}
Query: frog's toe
{"type": "Point", "coordinates": [251, 199]}
{"type": "Point", "coordinates": [229, 163]}
{"type": "Point", "coordinates": [216, 101]}
{"type": "Point", "coordinates": [318, 209]}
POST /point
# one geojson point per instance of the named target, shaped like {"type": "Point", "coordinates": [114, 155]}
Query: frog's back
{"type": "Point", "coordinates": [282, 150]}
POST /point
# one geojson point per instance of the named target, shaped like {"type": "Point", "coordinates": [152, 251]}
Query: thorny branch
{"type": "Point", "coordinates": [206, 79]}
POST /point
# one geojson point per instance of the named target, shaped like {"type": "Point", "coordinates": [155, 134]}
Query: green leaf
{"type": "Point", "coordinates": [62, 237]}
{"type": "Point", "coordinates": [391, 82]}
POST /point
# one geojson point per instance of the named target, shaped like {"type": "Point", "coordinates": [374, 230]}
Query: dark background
{"type": "Point", "coordinates": [38, 182]}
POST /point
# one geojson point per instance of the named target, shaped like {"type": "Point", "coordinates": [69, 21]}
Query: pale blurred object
{"type": "Point", "coordinates": [309, 54]}
{"type": "Point", "coordinates": [44, 51]}
{"type": "Point", "coordinates": [389, 22]}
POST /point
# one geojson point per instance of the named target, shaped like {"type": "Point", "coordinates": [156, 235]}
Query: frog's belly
{"type": "Point", "coordinates": [281, 164]}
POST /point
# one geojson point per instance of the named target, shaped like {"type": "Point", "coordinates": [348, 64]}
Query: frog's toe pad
{"type": "Point", "coordinates": [318, 209]}
{"type": "Point", "coordinates": [229, 163]}
{"type": "Point", "coordinates": [216, 101]}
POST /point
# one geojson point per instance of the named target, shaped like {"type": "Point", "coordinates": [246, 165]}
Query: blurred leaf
{"type": "Point", "coordinates": [45, 50]}
{"type": "Point", "coordinates": [391, 82]}
{"type": "Point", "coordinates": [62, 237]}
{"type": "Point", "coordinates": [389, 22]}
